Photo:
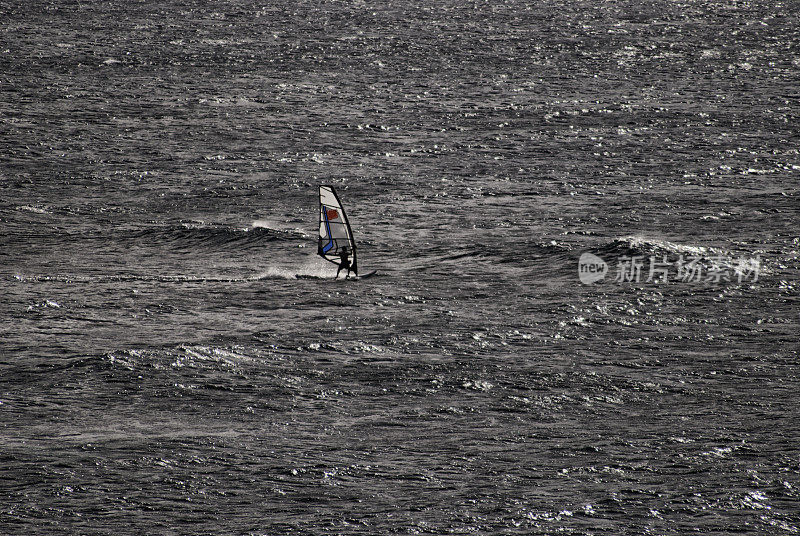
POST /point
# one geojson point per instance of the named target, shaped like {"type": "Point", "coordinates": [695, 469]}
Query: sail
{"type": "Point", "coordinates": [334, 229]}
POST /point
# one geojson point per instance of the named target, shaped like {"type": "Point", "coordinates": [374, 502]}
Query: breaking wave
{"type": "Point", "coordinates": [185, 237]}
{"type": "Point", "coordinates": [704, 257]}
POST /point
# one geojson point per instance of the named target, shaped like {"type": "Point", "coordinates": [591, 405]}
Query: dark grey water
{"type": "Point", "coordinates": [162, 371]}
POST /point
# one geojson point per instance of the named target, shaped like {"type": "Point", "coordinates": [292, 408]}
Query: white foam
{"type": "Point", "coordinates": [266, 224]}
{"type": "Point", "coordinates": [275, 272]}
{"type": "Point", "coordinates": [34, 209]}
{"type": "Point", "coordinates": [641, 241]}
{"type": "Point", "coordinates": [311, 267]}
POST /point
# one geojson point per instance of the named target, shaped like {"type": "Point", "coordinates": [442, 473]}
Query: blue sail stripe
{"type": "Point", "coordinates": [329, 245]}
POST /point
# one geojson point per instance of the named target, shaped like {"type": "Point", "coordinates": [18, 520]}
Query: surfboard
{"type": "Point", "coordinates": [359, 277]}
{"type": "Point", "coordinates": [341, 277]}
{"type": "Point", "coordinates": [368, 274]}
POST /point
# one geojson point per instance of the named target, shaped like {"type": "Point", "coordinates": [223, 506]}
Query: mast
{"type": "Point", "coordinates": [354, 263]}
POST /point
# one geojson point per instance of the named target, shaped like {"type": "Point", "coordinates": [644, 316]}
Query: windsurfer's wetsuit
{"type": "Point", "coordinates": [344, 262]}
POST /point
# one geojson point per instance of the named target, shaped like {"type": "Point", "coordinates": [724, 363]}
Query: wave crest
{"type": "Point", "coordinates": [706, 258]}
{"type": "Point", "coordinates": [192, 237]}
{"type": "Point", "coordinates": [639, 245]}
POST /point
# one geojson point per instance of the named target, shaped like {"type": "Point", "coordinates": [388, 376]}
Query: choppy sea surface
{"type": "Point", "coordinates": [163, 370]}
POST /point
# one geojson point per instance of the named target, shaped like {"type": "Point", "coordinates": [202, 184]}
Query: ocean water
{"type": "Point", "coordinates": [163, 370]}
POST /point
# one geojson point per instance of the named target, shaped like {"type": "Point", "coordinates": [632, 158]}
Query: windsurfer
{"type": "Point", "coordinates": [344, 262]}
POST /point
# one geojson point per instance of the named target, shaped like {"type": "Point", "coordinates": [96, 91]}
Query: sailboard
{"type": "Point", "coordinates": [334, 229]}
